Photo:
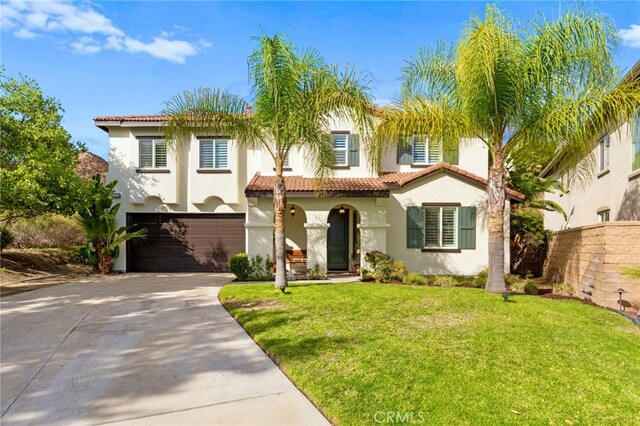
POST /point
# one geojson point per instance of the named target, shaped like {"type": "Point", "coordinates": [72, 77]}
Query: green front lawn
{"type": "Point", "coordinates": [445, 355]}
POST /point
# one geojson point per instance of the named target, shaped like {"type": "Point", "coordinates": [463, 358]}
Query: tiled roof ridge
{"type": "Point", "coordinates": [385, 182]}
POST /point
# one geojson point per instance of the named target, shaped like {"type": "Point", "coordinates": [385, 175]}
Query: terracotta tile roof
{"type": "Point", "coordinates": [362, 187]}
{"type": "Point", "coordinates": [354, 187]}
{"type": "Point", "coordinates": [139, 118]}
{"type": "Point", "coordinates": [403, 178]}
{"type": "Point", "coordinates": [90, 164]}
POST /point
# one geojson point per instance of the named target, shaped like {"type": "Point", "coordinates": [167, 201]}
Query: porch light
{"type": "Point", "coordinates": [292, 210]}
{"type": "Point", "coordinates": [341, 210]}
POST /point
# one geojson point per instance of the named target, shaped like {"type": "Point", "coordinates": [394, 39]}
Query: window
{"type": "Point", "coordinates": [440, 227]}
{"type": "Point", "coordinates": [425, 152]}
{"type": "Point", "coordinates": [635, 142]}
{"type": "Point", "coordinates": [340, 147]}
{"type": "Point", "coordinates": [603, 216]}
{"type": "Point", "coordinates": [214, 154]}
{"type": "Point", "coordinates": [153, 154]}
{"type": "Point", "coordinates": [604, 153]}
{"type": "Point", "coordinates": [285, 163]}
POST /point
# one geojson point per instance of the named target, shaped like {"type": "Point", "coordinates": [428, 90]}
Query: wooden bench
{"type": "Point", "coordinates": [297, 256]}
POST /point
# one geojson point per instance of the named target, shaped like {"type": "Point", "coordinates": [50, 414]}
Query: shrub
{"type": "Point", "coordinates": [47, 231]}
{"type": "Point", "coordinates": [366, 275]}
{"type": "Point", "coordinates": [239, 266]}
{"type": "Point", "coordinates": [444, 281]}
{"type": "Point", "coordinates": [414, 279]}
{"type": "Point", "coordinates": [481, 279]}
{"type": "Point", "coordinates": [260, 269]}
{"type": "Point", "coordinates": [6, 238]}
{"type": "Point", "coordinates": [316, 273]}
{"type": "Point", "coordinates": [382, 266]}
{"type": "Point", "coordinates": [399, 271]}
{"type": "Point", "coordinates": [530, 288]}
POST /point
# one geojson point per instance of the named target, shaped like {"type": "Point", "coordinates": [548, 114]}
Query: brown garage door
{"type": "Point", "coordinates": [185, 242]}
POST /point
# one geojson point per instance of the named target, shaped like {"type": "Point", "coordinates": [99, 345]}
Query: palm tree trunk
{"type": "Point", "coordinates": [497, 194]}
{"type": "Point", "coordinates": [279, 207]}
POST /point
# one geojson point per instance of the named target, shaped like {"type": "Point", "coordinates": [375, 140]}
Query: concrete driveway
{"type": "Point", "coordinates": [138, 349]}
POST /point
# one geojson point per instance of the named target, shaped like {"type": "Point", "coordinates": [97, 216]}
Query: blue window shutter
{"type": "Point", "coordinates": [415, 227]}
{"type": "Point", "coordinates": [467, 227]}
{"type": "Point", "coordinates": [405, 151]}
{"type": "Point", "coordinates": [354, 150]}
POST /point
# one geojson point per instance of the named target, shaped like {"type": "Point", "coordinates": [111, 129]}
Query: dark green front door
{"type": "Point", "coordinates": [338, 241]}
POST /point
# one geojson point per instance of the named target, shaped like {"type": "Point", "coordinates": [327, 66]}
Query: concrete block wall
{"type": "Point", "coordinates": [591, 259]}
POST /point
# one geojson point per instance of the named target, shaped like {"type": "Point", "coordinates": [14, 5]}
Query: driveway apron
{"type": "Point", "coordinates": [138, 349]}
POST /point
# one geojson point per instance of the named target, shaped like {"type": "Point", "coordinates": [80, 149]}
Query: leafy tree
{"type": "Point", "coordinates": [98, 219]}
{"type": "Point", "coordinates": [294, 96]}
{"type": "Point", "coordinates": [37, 159]}
{"type": "Point", "coordinates": [523, 89]}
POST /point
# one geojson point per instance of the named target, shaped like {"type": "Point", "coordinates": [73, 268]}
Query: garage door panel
{"type": "Point", "coordinates": [186, 242]}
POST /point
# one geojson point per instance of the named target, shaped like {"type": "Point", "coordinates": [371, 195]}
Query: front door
{"type": "Point", "coordinates": [338, 241]}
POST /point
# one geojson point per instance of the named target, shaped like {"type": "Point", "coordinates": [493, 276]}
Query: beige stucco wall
{"type": "Point", "coordinates": [473, 157]}
{"type": "Point", "coordinates": [616, 188]}
{"type": "Point", "coordinates": [590, 260]}
{"type": "Point", "coordinates": [182, 190]}
{"type": "Point", "coordinates": [431, 189]}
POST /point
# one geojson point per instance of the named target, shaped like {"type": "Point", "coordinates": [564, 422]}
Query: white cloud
{"type": "Point", "coordinates": [28, 19]}
{"type": "Point", "coordinates": [631, 36]}
{"type": "Point", "coordinates": [86, 45]}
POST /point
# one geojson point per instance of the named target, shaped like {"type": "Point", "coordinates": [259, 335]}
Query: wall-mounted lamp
{"type": "Point", "coordinates": [292, 210]}
{"type": "Point", "coordinates": [116, 194]}
{"type": "Point", "coordinates": [341, 210]}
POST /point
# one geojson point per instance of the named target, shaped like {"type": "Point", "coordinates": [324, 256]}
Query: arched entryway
{"type": "Point", "coordinates": [296, 240]}
{"type": "Point", "coordinates": [343, 242]}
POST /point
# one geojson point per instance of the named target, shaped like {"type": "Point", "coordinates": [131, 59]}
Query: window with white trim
{"type": "Point", "coordinates": [214, 154]}
{"type": "Point", "coordinates": [603, 216]}
{"type": "Point", "coordinates": [426, 152]}
{"type": "Point", "coordinates": [153, 154]}
{"type": "Point", "coordinates": [340, 148]}
{"type": "Point", "coordinates": [605, 145]}
{"type": "Point", "coordinates": [441, 227]}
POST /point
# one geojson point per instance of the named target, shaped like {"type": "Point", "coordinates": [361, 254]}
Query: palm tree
{"type": "Point", "coordinates": [295, 95]}
{"type": "Point", "coordinates": [539, 87]}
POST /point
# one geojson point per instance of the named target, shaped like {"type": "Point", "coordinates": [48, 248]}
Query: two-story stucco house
{"type": "Point", "coordinates": [209, 199]}
{"type": "Point", "coordinates": [614, 192]}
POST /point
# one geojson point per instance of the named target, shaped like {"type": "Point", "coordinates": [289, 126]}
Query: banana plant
{"type": "Point", "coordinates": [104, 236]}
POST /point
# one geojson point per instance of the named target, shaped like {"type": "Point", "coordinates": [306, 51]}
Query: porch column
{"type": "Point", "coordinates": [372, 237]}
{"type": "Point", "coordinates": [317, 245]}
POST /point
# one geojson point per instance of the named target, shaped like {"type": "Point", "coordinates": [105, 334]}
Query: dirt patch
{"type": "Point", "coordinates": [565, 297]}
{"type": "Point", "coordinates": [30, 269]}
{"type": "Point", "coordinates": [254, 305]}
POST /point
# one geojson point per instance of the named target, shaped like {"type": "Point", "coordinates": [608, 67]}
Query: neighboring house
{"type": "Point", "coordinates": [209, 199]}
{"type": "Point", "coordinates": [614, 192]}
{"type": "Point", "coordinates": [600, 238]}
{"type": "Point", "coordinates": [90, 164]}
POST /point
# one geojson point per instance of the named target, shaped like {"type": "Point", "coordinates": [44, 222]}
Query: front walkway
{"type": "Point", "coordinates": [138, 349]}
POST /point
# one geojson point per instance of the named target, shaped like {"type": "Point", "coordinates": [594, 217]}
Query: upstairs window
{"type": "Point", "coordinates": [603, 216]}
{"type": "Point", "coordinates": [604, 146]}
{"type": "Point", "coordinates": [153, 154]}
{"type": "Point", "coordinates": [214, 154]}
{"type": "Point", "coordinates": [340, 148]}
{"type": "Point", "coordinates": [440, 226]}
{"type": "Point", "coordinates": [425, 152]}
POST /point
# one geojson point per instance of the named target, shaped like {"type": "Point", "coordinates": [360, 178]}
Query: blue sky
{"type": "Point", "coordinates": [126, 57]}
